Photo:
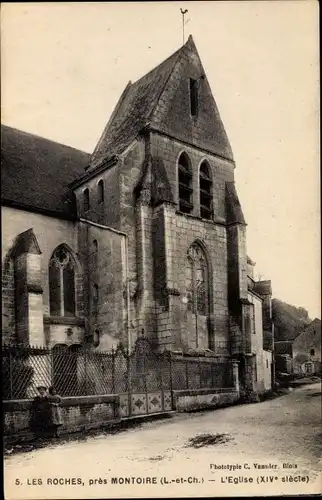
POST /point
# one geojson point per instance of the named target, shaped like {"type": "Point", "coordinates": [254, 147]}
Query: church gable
{"type": "Point", "coordinates": [174, 98]}
{"type": "Point", "coordinates": [187, 110]}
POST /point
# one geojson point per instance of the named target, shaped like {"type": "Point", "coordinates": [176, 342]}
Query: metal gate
{"type": "Point", "coordinates": [145, 386]}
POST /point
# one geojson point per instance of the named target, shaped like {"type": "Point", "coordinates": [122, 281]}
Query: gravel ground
{"type": "Point", "coordinates": [186, 454]}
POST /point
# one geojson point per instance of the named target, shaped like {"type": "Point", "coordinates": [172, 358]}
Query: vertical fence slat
{"type": "Point", "coordinates": [187, 375]}
{"type": "Point", "coordinates": [113, 371]}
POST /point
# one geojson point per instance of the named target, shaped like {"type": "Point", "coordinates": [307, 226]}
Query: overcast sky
{"type": "Point", "coordinates": [65, 65]}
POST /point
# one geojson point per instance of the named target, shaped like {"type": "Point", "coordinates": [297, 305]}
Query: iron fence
{"type": "Point", "coordinates": [79, 371]}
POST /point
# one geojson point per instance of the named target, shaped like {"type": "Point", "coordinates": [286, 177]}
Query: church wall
{"type": "Point", "coordinates": [135, 221]}
{"type": "Point", "coordinates": [104, 258]}
{"type": "Point", "coordinates": [50, 233]}
{"type": "Point", "coordinates": [182, 232]}
{"type": "Point", "coordinates": [184, 229]}
{"type": "Point", "coordinates": [108, 211]}
{"type": "Point", "coordinates": [222, 171]}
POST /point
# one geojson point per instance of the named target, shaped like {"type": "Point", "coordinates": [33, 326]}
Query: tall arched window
{"type": "Point", "coordinates": [197, 281]}
{"type": "Point", "coordinates": [100, 191]}
{"type": "Point", "coordinates": [185, 184]}
{"type": "Point", "coordinates": [86, 199]}
{"type": "Point", "coordinates": [205, 190]}
{"type": "Point", "coordinates": [62, 283]}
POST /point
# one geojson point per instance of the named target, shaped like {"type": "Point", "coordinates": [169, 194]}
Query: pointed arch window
{"type": "Point", "coordinates": [100, 189]}
{"type": "Point", "coordinates": [185, 184]}
{"type": "Point", "coordinates": [205, 191]}
{"type": "Point", "coordinates": [197, 281]}
{"type": "Point", "coordinates": [86, 199]}
{"type": "Point", "coordinates": [62, 283]}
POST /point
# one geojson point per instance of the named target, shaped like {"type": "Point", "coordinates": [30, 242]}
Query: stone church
{"type": "Point", "coordinates": [146, 235]}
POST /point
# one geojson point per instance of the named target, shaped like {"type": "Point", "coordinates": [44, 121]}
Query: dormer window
{"type": "Point", "coordinates": [193, 97]}
{"type": "Point", "coordinates": [185, 184]}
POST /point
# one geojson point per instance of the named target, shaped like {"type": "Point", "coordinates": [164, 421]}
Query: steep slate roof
{"type": "Point", "coordinates": [133, 111]}
{"type": "Point", "coordinates": [35, 172]}
{"type": "Point", "coordinates": [137, 106]}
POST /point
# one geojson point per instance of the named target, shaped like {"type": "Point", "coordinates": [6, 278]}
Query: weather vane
{"type": "Point", "coordinates": [183, 12]}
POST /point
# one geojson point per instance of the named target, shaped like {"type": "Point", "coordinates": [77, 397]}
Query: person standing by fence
{"type": "Point", "coordinates": [40, 413]}
{"type": "Point", "coordinates": [56, 419]}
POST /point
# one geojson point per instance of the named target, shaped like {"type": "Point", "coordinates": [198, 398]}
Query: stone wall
{"type": "Point", "coordinates": [203, 399]}
{"type": "Point", "coordinates": [49, 232]}
{"type": "Point", "coordinates": [79, 414]}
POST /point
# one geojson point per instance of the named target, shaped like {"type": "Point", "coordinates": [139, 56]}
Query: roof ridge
{"type": "Point", "coordinates": [43, 138]}
{"type": "Point", "coordinates": [174, 55]}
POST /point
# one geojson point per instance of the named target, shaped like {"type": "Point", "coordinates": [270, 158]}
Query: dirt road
{"type": "Point", "coordinates": [233, 451]}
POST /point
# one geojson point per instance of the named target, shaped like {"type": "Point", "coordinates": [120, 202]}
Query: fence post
{"type": "Point", "coordinates": [85, 370]}
{"type": "Point", "coordinates": [113, 371]}
{"type": "Point", "coordinates": [10, 374]}
{"type": "Point", "coordinates": [199, 363]}
{"type": "Point", "coordinates": [129, 382]}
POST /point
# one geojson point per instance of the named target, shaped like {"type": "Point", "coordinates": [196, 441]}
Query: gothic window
{"type": "Point", "coordinates": [205, 191]}
{"type": "Point", "coordinates": [62, 283]}
{"type": "Point", "coordinates": [185, 184]}
{"type": "Point", "coordinates": [197, 281]}
{"type": "Point", "coordinates": [86, 200]}
{"type": "Point", "coordinates": [193, 97]}
{"type": "Point", "coordinates": [100, 189]}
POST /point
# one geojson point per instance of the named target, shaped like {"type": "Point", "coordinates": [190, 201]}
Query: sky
{"type": "Point", "coordinates": [65, 65]}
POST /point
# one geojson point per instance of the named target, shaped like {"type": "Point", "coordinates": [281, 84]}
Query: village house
{"type": "Point", "coordinates": [301, 356]}
{"type": "Point", "coordinates": [145, 236]}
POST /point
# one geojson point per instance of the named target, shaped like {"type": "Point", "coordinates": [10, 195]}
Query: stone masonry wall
{"type": "Point", "coordinates": [169, 150]}
{"type": "Point", "coordinates": [182, 230]}
{"type": "Point", "coordinates": [50, 233]}
{"type": "Point", "coordinates": [103, 255]}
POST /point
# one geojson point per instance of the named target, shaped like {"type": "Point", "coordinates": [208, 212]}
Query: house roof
{"type": "Point", "coordinates": [36, 172]}
{"type": "Point", "coordinates": [136, 109]}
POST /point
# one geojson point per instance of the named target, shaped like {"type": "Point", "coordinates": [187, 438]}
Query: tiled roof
{"type": "Point", "coordinates": [35, 172]}
{"type": "Point", "coordinates": [138, 106]}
